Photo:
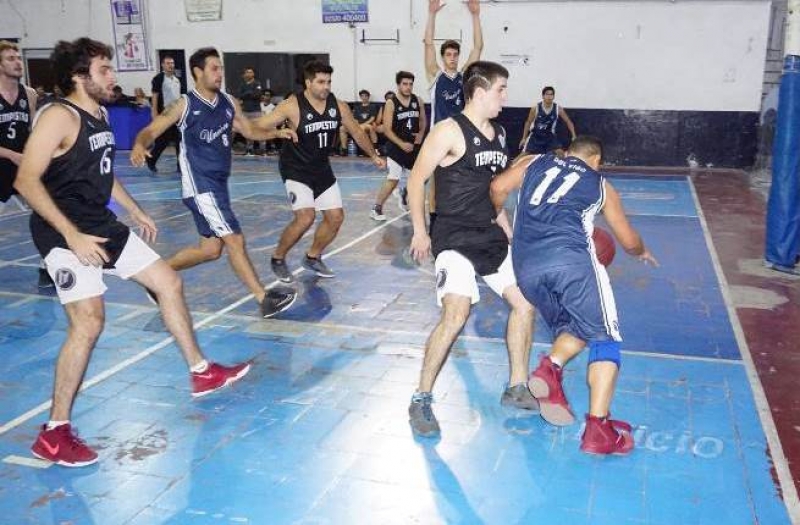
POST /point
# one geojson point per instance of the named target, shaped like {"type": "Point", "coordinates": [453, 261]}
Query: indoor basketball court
{"type": "Point", "coordinates": [317, 431]}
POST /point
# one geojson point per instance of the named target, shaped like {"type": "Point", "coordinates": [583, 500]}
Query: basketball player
{"type": "Point", "coordinates": [404, 117]}
{"type": "Point", "coordinates": [207, 118]}
{"type": "Point", "coordinates": [469, 238]}
{"type": "Point", "coordinates": [316, 114]}
{"type": "Point", "coordinates": [447, 92]}
{"type": "Point", "coordinates": [67, 177]}
{"type": "Point", "coordinates": [366, 114]}
{"type": "Point", "coordinates": [558, 272]}
{"type": "Point", "coordinates": [539, 132]}
{"type": "Point", "coordinates": [17, 107]}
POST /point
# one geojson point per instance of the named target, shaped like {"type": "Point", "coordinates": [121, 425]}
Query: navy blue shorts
{"type": "Point", "coordinates": [213, 214]}
{"type": "Point", "coordinates": [576, 299]}
{"type": "Point", "coordinates": [540, 145]}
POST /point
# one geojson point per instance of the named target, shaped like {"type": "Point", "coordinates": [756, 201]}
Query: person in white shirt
{"type": "Point", "coordinates": [167, 89]}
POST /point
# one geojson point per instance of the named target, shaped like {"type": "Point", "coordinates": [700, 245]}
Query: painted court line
{"type": "Point", "coordinates": [35, 411]}
{"type": "Point", "coordinates": [27, 462]}
{"type": "Point", "coordinates": [20, 260]}
{"type": "Point", "coordinates": [780, 463]}
{"type": "Point", "coordinates": [477, 338]}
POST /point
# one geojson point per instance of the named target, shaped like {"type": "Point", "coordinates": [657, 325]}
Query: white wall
{"type": "Point", "coordinates": [681, 55]}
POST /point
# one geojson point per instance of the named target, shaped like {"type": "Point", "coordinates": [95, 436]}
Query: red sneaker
{"type": "Point", "coordinates": [606, 436]}
{"type": "Point", "coordinates": [61, 446]}
{"type": "Point", "coordinates": [217, 376]}
{"type": "Point", "coordinates": [545, 385]}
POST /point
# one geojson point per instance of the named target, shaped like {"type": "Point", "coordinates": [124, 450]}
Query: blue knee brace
{"type": "Point", "coordinates": [604, 351]}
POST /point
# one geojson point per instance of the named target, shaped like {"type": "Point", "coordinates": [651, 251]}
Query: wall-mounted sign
{"type": "Point", "coordinates": [347, 11]}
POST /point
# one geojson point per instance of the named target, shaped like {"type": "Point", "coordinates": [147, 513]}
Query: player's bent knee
{"type": "Point", "coordinates": [455, 315]}
{"type": "Point", "coordinates": [305, 217]}
{"type": "Point", "coordinates": [335, 217]}
{"type": "Point", "coordinates": [171, 281]}
{"type": "Point", "coordinates": [605, 351]}
{"type": "Point", "coordinates": [88, 324]}
{"type": "Point", "coordinates": [212, 252]}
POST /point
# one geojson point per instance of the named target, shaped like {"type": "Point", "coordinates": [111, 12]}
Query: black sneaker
{"type": "Point", "coordinates": [420, 415]}
{"type": "Point", "coordinates": [281, 270]}
{"type": "Point", "coordinates": [278, 299]}
{"type": "Point", "coordinates": [45, 281]}
{"type": "Point", "coordinates": [316, 265]}
{"type": "Point", "coordinates": [518, 396]}
{"type": "Point", "coordinates": [151, 165]}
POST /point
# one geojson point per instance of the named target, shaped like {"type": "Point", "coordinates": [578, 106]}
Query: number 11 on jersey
{"type": "Point", "coordinates": [549, 176]}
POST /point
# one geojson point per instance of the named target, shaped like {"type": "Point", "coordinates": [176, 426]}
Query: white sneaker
{"type": "Point", "coordinates": [375, 216]}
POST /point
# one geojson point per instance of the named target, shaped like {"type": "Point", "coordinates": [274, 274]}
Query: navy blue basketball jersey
{"type": "Point", "coordinates": [544, 125]}
{"type": "Point", "coordinates": [206, 132]}
{"type": "Point", "coordinates": [447, 96]}
{"type": "Point", "coordinates": [558, 201]}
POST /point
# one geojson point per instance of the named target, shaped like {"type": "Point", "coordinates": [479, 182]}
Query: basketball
{"type": "Point", "coordinates": [603, 246]}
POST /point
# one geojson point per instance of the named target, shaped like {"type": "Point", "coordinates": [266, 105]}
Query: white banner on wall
{"type": "Point", "coordinates": [130, 35]}
{"type": "Point", "coordinates": [203, 10]}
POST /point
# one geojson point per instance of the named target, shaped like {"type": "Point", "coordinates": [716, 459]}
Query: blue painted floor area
{"type": "Point", "coordinates": [318, 432]}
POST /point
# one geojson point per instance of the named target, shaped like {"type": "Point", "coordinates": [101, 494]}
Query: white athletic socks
{"type": "Point", "coordinates": [200, 367]}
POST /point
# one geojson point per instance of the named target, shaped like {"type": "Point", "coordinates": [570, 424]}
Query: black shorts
{"type": "Point", "coordinates": [6, 184]}
{"type": "Point", "coordinates": [318, 179]}
{"type": "Point", "coordinates": [485, 247]}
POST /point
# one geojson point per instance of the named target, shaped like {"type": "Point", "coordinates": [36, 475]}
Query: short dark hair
{"type": "Point", "coordinates": [117, 89]}
{"type": "Point", "coordinates": [482, 74]}
{"type": "Point", "coordinates": [167, 57]}
{"type": "Point", "coordinates": [388, 94]}
{"type": "Point", "coordinates": [74, 58]}
{"type": "Point", "coordinates": [586, 145]}
{"type": "Point", "coordinates": [450, 44]}
{"type": "Point", "coordinates": [401, 75]}
{"type": "Point", "coordinates": [198, 58]}
{"type": "Point", "coordinates": [364, 92]}
{"type": "Point", "coordinates": [311, 69]}
{"type": "Point", "coordinates": [248, 68]}
{"type": "Point", "coordinates": [548, 88]}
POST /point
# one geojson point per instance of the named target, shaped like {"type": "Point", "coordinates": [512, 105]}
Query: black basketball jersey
{"type": "Point", "coordinates": [316, 134]}
{"type": "Point", "coordinates": [405, 124]}
{"type": "Point", "coordinates": [80, 183]}
{"type": "Point", "coordinates": [466, 218]}
{"type": "Point", "coordinates": [15, 125]}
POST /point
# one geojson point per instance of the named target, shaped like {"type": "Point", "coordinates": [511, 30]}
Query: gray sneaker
{"type": "Point", "coordinates": [420, 415]}
{"type": "Point", "coordinates": [316, 265]}
{"type": "Point", "coordinates": [281, 270]}
{"type": "Point", "coordinates": [518, 396]}
{"type": "Point", "coordinates": [278, 299]}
